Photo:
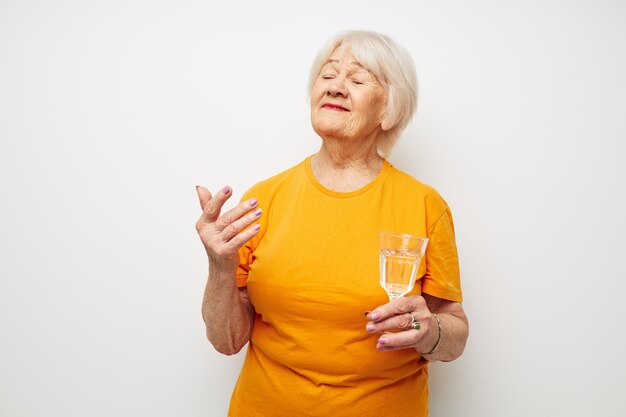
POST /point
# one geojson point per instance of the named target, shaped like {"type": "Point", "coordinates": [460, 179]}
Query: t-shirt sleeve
{"type": "Point", "coordinates": [442, 277]}
{"type": "Point", "coordinates": [245, 258]}
{"type": "Point", "coordinates": [245, 252]}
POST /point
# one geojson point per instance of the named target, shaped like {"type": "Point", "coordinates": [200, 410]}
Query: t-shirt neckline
{"type": "Point", "coordinates": [339, 194]}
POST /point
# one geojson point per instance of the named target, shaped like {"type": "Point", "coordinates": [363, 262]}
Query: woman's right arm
{"type": "Point", "coordinates": [226, 309]}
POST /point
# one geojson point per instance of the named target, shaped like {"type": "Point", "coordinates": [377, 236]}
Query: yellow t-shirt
{"type": "Point", "coordinates": [312, 272]}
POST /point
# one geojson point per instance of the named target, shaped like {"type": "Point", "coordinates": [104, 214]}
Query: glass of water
{"type": "Point", "coordinates": [400, 256]}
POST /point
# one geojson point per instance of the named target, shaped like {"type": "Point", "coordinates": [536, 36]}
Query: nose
{"type": "Point", "coordinates": [337, 87]}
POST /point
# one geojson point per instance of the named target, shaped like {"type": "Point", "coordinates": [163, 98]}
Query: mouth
{"type": "Point", "coordinates": [335, 107]}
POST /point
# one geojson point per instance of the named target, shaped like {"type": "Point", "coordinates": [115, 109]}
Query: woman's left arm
{"type": "Point", "coordinates": [443, 326]}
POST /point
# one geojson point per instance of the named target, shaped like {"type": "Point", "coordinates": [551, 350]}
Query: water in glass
{"type": "Point", "coordinates": [400, 256]}
{"type": "Point", "coordinates": [398, 269]}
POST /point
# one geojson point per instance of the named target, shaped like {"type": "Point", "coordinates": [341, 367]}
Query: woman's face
{"type": "Point", "coordinates": [347, 101]}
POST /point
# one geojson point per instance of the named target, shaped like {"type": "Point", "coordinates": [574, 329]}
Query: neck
{"type": "Point", "coordinates": [345, 167]}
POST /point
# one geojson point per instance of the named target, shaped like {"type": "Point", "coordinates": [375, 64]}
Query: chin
{"type": "Point", "coordinates": [327, 125]}
{"type": "Point", "coordinates": [328, 129]}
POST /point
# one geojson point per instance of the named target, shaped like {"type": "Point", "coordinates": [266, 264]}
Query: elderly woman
{"type": "Point", "coordinates": [293, 269]}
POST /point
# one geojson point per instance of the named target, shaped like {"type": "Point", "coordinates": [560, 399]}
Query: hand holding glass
{"type": "Point", "coordinates": [400, 256]}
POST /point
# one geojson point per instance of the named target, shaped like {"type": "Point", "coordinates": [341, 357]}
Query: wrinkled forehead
{"type": "Point", "coordinates": [341, 56]}
{"type": "Point", "coordinates": [359, 56]}
{"type": "Point", "coordinates": [352, 64]}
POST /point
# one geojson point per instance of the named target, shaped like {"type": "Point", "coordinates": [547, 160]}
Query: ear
{"type": "Point", "coordinates": [386, 121]}
{"type": "Point", "coordinates": [385, 124]}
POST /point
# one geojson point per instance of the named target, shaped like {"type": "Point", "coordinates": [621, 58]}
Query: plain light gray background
{"type": "Point", "coordinates": [111, 112]}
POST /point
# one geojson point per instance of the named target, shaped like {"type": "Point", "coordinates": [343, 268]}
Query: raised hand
{"type": "Point", "coordinates": [223, 235]}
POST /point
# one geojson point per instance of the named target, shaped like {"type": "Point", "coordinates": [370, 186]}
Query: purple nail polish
{"type": "Point", "coordinates": [253, 202]}
{"type": "Point", "coordinates": [258, 212]}
{"type": "Point", "coordinates": [370, 327]}
{"type": "Point", "coordinates": [382, 340]}
{"type": "Point", "coordinates": [256, 227]}
{"type": "Point", "coordinates": [375, 315]}
{"type": "Point", "coordinates": [226, 190]}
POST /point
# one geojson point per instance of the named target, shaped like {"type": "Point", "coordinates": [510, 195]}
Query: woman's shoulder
{"type": "Point", "coordinates": [404, 179]}
{"type": "Point", "coordinates": [432, 200]}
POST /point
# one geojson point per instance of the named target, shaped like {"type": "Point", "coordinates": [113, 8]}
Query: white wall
{"type": "Point", "coordinates": [111, 112]}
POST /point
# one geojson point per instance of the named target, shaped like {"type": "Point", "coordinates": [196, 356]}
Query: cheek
{"type": "Point", "coordinates": [316, 100]}
{"type": "Point", "coordinates": [317, 91]}
{"type": "Point", "coordinates": [379, 106]}
{"type": "Point", "coordinates": [374, 107]}
{"type": "Point", "coordinates": [371, 100]}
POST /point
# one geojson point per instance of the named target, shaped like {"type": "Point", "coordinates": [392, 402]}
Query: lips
{"type": "Point", "coordinates": [335, 107]}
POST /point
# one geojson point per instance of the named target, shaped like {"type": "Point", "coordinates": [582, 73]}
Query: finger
{"type": "Point", "coordinates": [397, 306]}
{"type": "Point", "coordinates": [240, 224]}
{"type": "Point", "coordinates": [214, 206]}
{"type": "Point", "coordinates": [204, 195]}
{"type": "Point", "coordinates": [242, 238]}
{"type": "Point", "coordinates": [235, 214]}
{"type": "Point", "coordinates": [401, 340]}
{"type": "Point", "coordinates": [402, 321]}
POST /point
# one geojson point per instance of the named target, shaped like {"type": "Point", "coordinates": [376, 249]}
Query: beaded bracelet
{"type": "Point", "coordinates": [438, 342]}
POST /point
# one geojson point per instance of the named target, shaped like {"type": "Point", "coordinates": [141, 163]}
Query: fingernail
{"type": "Point", "coordinates": [256, 227]}
{"type": "Point", "coordinates": [370, 327]}
{"type": "Point", "coordinates": [382, 340]}
{"type": "Point", "coordinates": [366, 313]}
{"type": "Point", "coordinates": [258, 212]}
{"type": "Point", "coordinates": [253, 202]}
{"type": "Point", "coordinates": [226, 190]}
{"type": "Point", "coordinates": [375, 315]}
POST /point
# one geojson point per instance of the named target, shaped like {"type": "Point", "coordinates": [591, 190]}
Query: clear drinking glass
{"type": "Point", "coordinates": [400, 256]}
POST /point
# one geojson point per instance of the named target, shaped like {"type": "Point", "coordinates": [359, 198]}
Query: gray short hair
{"type": "Point", "coordinates": [392, 65]}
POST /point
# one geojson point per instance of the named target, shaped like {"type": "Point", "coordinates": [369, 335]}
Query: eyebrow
{"type": "Point", "coordinates": [336, 61]}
